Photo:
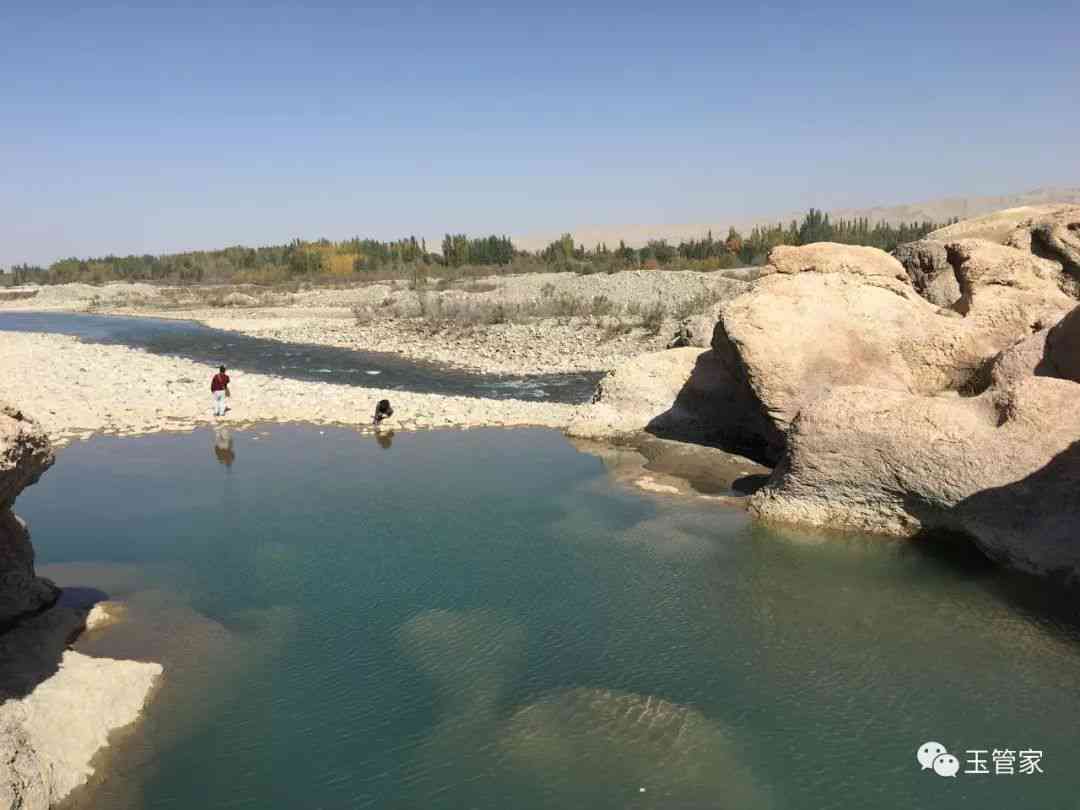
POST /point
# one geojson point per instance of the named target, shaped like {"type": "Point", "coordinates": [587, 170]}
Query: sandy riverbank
{"type": "Point", "coordinates": [76, 389]}
{"type": "Point", "coordinates": [529, 324]}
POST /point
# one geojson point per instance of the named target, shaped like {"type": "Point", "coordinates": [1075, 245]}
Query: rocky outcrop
{"type": "Point", "coordinates": [928, 269]}
{"type": "Point", "coordinates": [25, 453]}
{"type": "Point", "coordinates": [1002, 467]}
{"type": "Point", "coordinates": [57, 706]}
{"type": "Point", "coordinates": [1002, 284]}
{"type": "Point", "coordinates": [1049, 231]}
{"type": "Point", "coordinates": [1057, 236]}
{"type": "Point", "coordinates": [794, 337]}
{"type": "Point", "coordinates": [883, 412]}
{"type": "Point", "coordinates": [999, 226]}
{"type": "Point", "coordinates": [763, 339]}
{"type": "Point", "coordinates": [827, 316]}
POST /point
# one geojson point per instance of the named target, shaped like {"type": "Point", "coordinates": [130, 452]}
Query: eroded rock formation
{"type": "Point", "coordinates": [1049, 231]}
{"type": "Point", "coordinates": [885, 412]}
{"type": "Point", "coordinates": [1002, 467]}
{"type": "Point", "coordinates": [794, 337]}
{"type": "Point", "coordinates": [25, 453]}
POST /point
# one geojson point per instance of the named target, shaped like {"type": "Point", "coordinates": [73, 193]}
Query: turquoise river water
{"type": "Point", "coordinates": [484, 619]}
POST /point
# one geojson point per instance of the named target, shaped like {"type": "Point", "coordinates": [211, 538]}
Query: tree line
{"type": "Point", "coordinates": [359, 257]}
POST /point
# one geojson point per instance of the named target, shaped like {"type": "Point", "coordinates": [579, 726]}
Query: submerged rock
{"type": "Point", "coordinates": [583, 743]}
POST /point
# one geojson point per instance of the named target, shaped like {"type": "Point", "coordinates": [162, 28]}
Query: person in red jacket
{"type": "Point", "coordinates": [219, 389]}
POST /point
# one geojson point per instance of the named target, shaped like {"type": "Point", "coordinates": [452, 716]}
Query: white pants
{"type": "Point", "coordinates": [219, 403]}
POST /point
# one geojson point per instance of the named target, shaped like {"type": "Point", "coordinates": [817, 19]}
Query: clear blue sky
{"type": "Point", "coordinates": [150, 129]}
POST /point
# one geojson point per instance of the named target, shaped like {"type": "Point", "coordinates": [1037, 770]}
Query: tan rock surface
{"type": "Point", "coordinates": [997, 281]}
{"type": "Point", "coordinates": [49, 737]}
{"type": "Point", "coordinates": [1050, 231]}
{"type": "Point", "coordinates": [1053, 352]}
{"type": "Point", "coordinates": [630, 397]}
{"type": "Point", "coordinates": [1002, 467]}
{"type": "Point", "coordinates": [831, 257]}
{"type": "Point", "coordinates": [685, 394]}
{"type": "Point", "coordinates": [999, 226]}
{"type": "Point", "coordinates": [794, 337]}
{"type": "Point", "coordinates": [25, 453]}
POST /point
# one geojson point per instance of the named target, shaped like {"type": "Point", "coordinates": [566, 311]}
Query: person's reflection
{"type": "Point", "coordinates": [385, 438]}
{"type": "Point", "coordinates": [223, 446]}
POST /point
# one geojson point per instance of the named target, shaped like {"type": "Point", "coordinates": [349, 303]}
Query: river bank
{"type": "Point", "coordinates": [540, 323]}
{"type": "Point", "coordinates": [78, 389]}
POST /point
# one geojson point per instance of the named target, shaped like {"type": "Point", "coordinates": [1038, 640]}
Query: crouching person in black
{"type": "Point", "coordinates": [382, 411]}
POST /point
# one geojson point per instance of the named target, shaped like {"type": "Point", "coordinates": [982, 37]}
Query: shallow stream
{"type": "Point", "coordinates": [300, 361]}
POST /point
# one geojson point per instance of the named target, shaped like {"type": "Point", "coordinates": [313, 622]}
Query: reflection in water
{"type": "Point", "coordinates": [223, 446]}
{"type": "Point", "coordinates": [385, 438]}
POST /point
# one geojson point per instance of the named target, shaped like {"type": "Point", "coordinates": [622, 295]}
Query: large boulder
{"type": "Point", "coordinates": [831, 257]}
{"type": "Point", "coordinates": [795, 336]}
{"type": "Point", "coordinates": [1002, 467]}
{"type": "Point", "coordinates": [25, 453]}
{"type": "Point", "coordinates": [928, 268]}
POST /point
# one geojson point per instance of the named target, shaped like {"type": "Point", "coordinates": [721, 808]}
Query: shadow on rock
{"type": "Point", "coordinates": [1032, 524]}
{"type": "Point", "coordinates": [30, 652]}
{"type": "Point", "coordinates": [717, 407]}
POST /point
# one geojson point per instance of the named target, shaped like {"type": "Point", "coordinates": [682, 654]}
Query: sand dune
{"type": "Point", "coordinates": [937, 210]}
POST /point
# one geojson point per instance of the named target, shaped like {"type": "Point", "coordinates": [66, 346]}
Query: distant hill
{"type": "Point", "coordinates": [938, 210]}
